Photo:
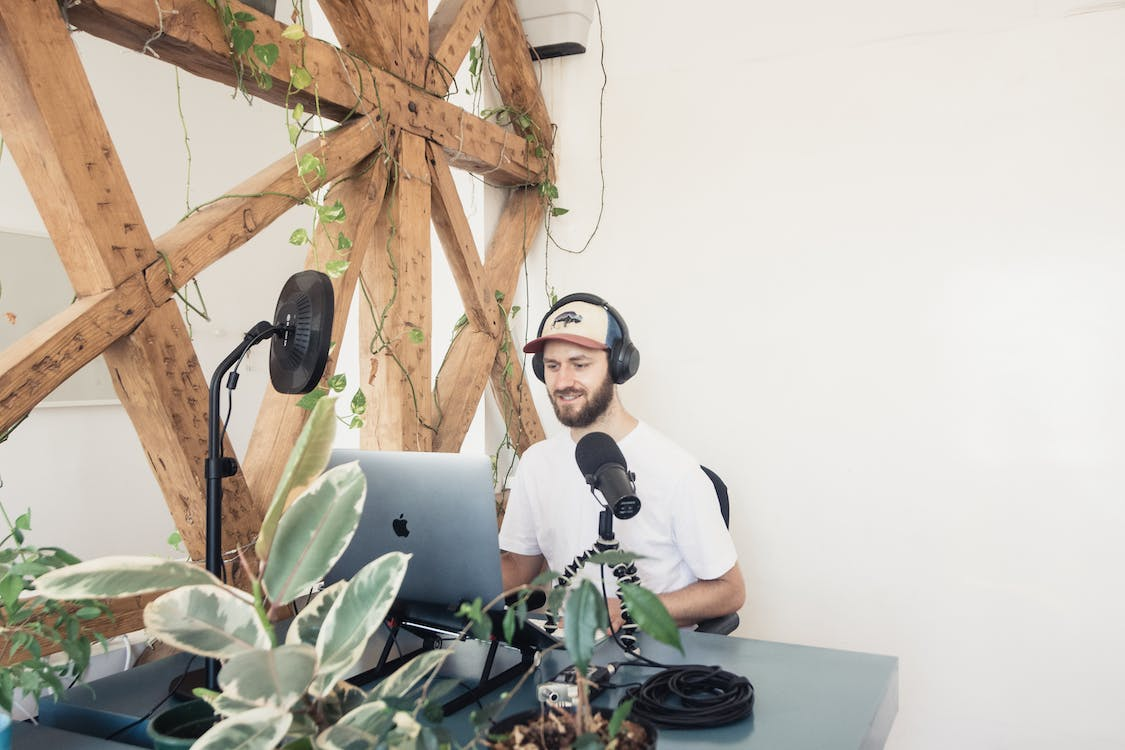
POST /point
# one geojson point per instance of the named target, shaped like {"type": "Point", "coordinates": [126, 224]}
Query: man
{"type": "Point", "coordinates": [582, 352]}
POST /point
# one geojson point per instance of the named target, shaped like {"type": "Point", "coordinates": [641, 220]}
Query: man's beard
{"type": "Point", "coordinates": [597, 402]}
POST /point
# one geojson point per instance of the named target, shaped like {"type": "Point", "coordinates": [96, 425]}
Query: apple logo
{"type": "Point", "coordinates": [399, 525]}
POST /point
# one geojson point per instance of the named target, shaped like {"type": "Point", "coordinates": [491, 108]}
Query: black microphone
{"type": "Point", "coordinates": [604, 467]}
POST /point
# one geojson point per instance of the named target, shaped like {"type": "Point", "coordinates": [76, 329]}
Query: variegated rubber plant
{"type": "Point", "coordinates": [288, 694]}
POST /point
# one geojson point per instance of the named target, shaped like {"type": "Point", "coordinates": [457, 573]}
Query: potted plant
{"type": "Point", "coordinates": [585, 615]}
{"type": "Point", "coordinates": [289, 693]}
{"type": "Point", "coordinates": [41, 639]}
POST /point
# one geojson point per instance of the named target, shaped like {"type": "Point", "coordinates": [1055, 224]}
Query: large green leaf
{"type": "Point", "coordinates": [314, 532]}
{"type": "Point", "coordinates": [650, 614]}
{"type": "Point", "coordinates": [361, 729]}
{"type": "Point", "coordinates": [355, 616]}
{"type": "Point", "coordinates": [306, 626]}
{"type": "Point", "coordinates": [307, 459]}
{"type": "Point", "coordinates": [211, 621]}
{"type": "Point", "coordinates": [272, 677]}
{"type": "Point", "coordinates": [257, 729]}
{"type": "Point", "coordinates": [585, 614]}
{"type": "Point", "coordinates": [409, 674]}
{"type": "Point", "coordinates": [119, 575]}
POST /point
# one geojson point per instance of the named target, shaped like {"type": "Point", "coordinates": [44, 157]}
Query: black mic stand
{"type": "Point", "coordinates": [215, 469]}
{"type": "Point", "coordinates": [625, 572]}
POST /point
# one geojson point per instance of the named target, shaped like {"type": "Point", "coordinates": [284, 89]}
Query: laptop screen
{"type": "Point", "coordinates": [440, 508]}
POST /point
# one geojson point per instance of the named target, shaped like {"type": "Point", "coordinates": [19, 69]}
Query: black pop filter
{"type": "Point", "coordinates": [299, 349]}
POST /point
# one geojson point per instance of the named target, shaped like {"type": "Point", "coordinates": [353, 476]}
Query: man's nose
{"type": "Point", "coordinates": [564, 377]}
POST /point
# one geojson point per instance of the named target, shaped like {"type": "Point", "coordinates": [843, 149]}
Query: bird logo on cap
{"type": "Point", "coordinates": [566, 319]}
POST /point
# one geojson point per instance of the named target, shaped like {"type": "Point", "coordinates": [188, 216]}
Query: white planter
{"type": "Point", "coordinates": [556, 27]}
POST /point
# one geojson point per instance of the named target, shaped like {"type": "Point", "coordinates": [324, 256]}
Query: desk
{"type": "Point", "coordinates": [806, 698]}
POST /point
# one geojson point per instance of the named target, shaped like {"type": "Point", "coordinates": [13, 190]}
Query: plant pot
{"type": "Point", "coordinates": [180, 726]}
{"type": "Point", "coordinates": [526, 720]}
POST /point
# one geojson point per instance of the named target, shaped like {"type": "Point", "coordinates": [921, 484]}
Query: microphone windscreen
{"type": "Point", "coordinates": [595, 451]}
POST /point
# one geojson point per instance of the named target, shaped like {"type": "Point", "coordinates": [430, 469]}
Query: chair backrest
{"type": "Point", "coordinates": [721, 493]}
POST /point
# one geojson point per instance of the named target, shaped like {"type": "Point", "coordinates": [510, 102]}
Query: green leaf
{"type": "Point", "coordinates": [293, 32]}
{"type": "Point", "coordinates": [271, 677]}
{"type": "Point", "coordinates": [355, 616]}
{"type": "Point", "coordinates": [298, 111]}
{"type": "Point", "coordinates": [299, 78]}
{"type": "Point", "coordinates": [342, 242]}
{"type": "Point", "coordinates": [259, 728]}
{"type": "Point", "coordinates": [363, 728]}
{"type": "Point", "coordinates": [557, 211]}
{"type": "Point", "coordinates": [243, 17]}
{"type": "Point", "coordinates": [266, 53]}
{"type": "Point", "coordinates": [417, 336]}
{"type": "Point", "coordinates": [309, 163]}
{"type": "Point", "coordinates": [23, 521]}
{"type": "Point", "coordinates": [619, 715]}
{"type": "Point", "coordinates": [314, 532]}
{"type": "Point", "coordinates": [545, 578]}
{"type": "Point", "coordinates": [10, 588]}
{"type": "Point", "coordinates": [119, 575]}
{"type": "Point", "coordinates": [650, 614]}
{"type": "Point", "coordinates": [306, 626]}
{"type": "Point", "coordinates": [299, 237]}
{"type": "Point", "coordinates": [359, 402]}
{"type": "Point", "coordinates": [614, 557]}
{"type": "Point", "coordinates": [312, 398]}
{"type": "Point", "coordinates": [336, 268]}
{"type": "Point", "coordinates": [307, 459]}
{"type": "Point", "coordinates": [331, 214]}
{"type": "Point", "coordinates": [209, 620]}
{"type": "Point", "coordinates": [409, 674]}
{"type": "Point", "coordinates": [338, 382]}
{"type": "Point", "coordinates": [585, 615]}
{"type": "Point", "coordinates": [294, 133]}
{"type": "Point", "coordinates": [474, 612]}
{"type": "Point", "coordinates": [175, 539]}
{"type": "Point", "coordinates": [241, 40]}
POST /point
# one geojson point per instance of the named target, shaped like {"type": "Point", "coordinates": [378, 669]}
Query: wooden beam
{"type": "Point", "coordinates": [60, 143]}
{"type": "Point", "coordinates": [216, 230]}
{"type": "Point", "coordinates": [467, 366]}
{"type": "Point", "coordinates": [454, 27]}
{"type": "Point", "coordinates": [188, 34]}
{"type": "Point", "coordinates": [456, 237]}
{"type": "Point", "coordinates": [126, 615]}
{"type": "Point", "coordinates": [511, 390]}
{"type": "Point", "coordinates": [54, 350]}
{"type": "Point", "coordinates": [367, 28]}
{"type": "Point", "coordinates": [515, 76]}
{"type": "Point", "coordinates": [396, 274]}
{"type": "Point", "coordinates": [160, 384]}
{"type": "Point", "coordinates": [280, 419]}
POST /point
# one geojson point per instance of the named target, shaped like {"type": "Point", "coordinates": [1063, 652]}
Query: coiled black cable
{"type": "Point", "coordinates": [692, 696]}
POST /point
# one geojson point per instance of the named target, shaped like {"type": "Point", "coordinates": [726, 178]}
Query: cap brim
{"type": "Point", "coordinates": [536, 345]}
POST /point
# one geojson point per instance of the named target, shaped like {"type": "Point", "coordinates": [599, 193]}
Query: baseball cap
{"type": "Point", "coordinates": [579, 322]}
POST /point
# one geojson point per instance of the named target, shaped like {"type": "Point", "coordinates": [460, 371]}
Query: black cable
{"type": "Point", "coordinates": [171, 692]}
{"type": "Point", "coordinates": [693, 696]}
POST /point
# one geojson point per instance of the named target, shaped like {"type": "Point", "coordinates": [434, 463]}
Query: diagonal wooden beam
{"type": "Point", "coordinates": [456, 237]}
{"type": "Point", "coordinates": [160, 384]}
{"type": "Point", "coordinates": [56, 349]}
{"type": "Point", "coordinates": [396, 275]}
{"type": "Point", "coordinates": [512, 393]}
{"type": "Point", "coordinates": [280, 419]}
{"type": "Point", "coordinates": [61, 144]}
{"type": "Point", "coordinates": [515, 76]}
{"type": "Point", "coordinates": [367, 28]}
{"type": "Point", "coordinates": [188, 34]}
{"type": "Point", "coordinates": [454, 27]}
{"type": "Point", "coordinates": [219, 228]}
{"type": "Point", "coordinates": [467, 366]}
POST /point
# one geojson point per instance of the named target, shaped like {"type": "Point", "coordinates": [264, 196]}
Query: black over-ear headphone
{"type": "Point", "coordinates": [624, 358]}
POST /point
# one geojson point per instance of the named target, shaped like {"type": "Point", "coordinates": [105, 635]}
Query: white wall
{"type": "Point", "coordinates": [870, 252]}
{"type": "Point", "coordinates": [872, 255]}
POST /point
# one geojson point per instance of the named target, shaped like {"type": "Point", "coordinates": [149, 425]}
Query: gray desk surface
{"type": "Point", "coordinates": [805, 698]}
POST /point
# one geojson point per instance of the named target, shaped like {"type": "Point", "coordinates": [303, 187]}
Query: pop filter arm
{"type": "Point", "coordinates": [301, 333]}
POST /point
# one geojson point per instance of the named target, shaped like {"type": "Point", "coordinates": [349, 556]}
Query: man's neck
{"type": "Point", "coordinates": [615, 422]}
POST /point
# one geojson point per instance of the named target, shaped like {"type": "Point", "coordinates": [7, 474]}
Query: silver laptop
{"type": "Point", "coordinates": [440, 508]}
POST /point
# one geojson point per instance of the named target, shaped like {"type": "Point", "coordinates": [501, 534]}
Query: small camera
{"type": "Point", "coordinates": [562, 691]}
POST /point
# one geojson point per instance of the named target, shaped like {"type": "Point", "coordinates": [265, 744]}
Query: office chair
{"type": "Point", "coordinates": [724, 624]}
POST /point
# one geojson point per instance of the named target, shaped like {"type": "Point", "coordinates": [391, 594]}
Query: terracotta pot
{"type": "Point", "coordinates": [506, 725]}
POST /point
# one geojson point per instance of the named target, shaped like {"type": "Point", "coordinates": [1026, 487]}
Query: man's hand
{"type": "Point", "coordinates": [616, 620]}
